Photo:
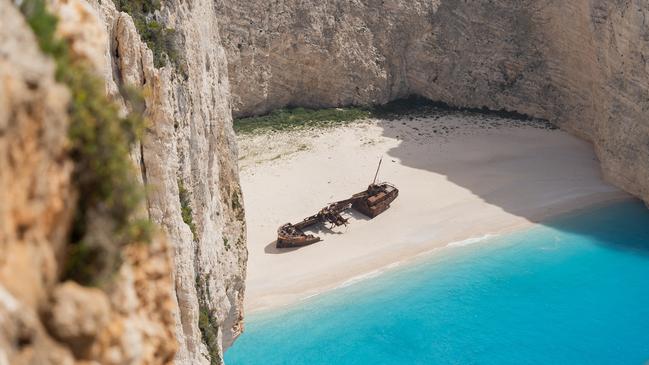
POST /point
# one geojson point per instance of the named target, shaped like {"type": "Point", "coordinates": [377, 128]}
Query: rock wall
{"type": "Point", "coordinates": [581, 64]}
{"type": "Point", "coordinates": [33, 125]}
{"type": "Point", "coordinates": [178, 299]}
{"type": "Point", "coordinates": [189, 149]}
{"type": "Point", "coordinates": [44, 320]}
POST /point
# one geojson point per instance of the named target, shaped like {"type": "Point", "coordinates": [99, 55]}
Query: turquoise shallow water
{"type": "Point", "coordinates": [573, 291]}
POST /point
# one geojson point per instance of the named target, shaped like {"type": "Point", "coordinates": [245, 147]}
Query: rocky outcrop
{"type": "Point", "coordinates": [188, 154]}
{"type": "Point", "coordinates": [35, 192]}
{"type": "Point", "coordinates": [177, 299]}
{"type": "Point", "coordinates": [43, 319]}
{"type": "Point", "coordinates": [581, 64]}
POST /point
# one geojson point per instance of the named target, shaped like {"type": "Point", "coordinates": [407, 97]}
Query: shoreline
{"type": "Point", "coordinates": [286, 300]}
{"type": "Point", "coordinates": [470, 241]}
{"type": "Point", "coordinates": [488, 293]}
{"type": "Point", "coordinates": [480, 176]}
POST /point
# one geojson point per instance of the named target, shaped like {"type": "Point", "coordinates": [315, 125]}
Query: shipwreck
{"type": "Point", "coordinates": [371, 202]}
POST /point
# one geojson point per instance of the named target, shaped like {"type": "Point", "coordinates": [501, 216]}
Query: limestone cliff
{"type": "Point", "coordinates": [189, 154]}
{"type": "Point", "coordinates": [178, 298]}
{"type": "Point", "coordinates": [581, 64]}
{"type": "Point", "coordinates": [45, 319]}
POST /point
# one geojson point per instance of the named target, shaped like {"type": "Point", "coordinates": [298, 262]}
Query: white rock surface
{"type": "Point", "coordinates": [581, 64]}
{"type": "Point", "coordinates": [189, 140]}
{"type": "Point", "coordinates": [141, 317]}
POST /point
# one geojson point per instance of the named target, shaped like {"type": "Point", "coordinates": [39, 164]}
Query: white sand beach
{"type": "Point", "coordinates": [460, 176]}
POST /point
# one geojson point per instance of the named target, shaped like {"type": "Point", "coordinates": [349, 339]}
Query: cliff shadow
{"type": "Point", "coordinates": [501, 158]}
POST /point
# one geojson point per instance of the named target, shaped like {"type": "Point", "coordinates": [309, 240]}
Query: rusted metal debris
{"type": "Point", "coordinates": [371, 202]}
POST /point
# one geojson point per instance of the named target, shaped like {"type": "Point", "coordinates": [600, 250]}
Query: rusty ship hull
{"type": "Point", "coordinates": [290, 235]}
{"type": "Point", "coordinates": [375, 200]}
{"type": "Point", "coordinates": [295, 240]}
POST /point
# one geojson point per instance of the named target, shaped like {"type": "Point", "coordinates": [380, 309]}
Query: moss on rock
{"type": "Point", "coordinates": [160, 39]}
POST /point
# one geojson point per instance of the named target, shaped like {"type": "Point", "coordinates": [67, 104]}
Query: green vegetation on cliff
{"type": "Point", "coordinates": [106, 212]}
{"type": "Point", "coordinates": [186, 208]}
{"type": "Point", "coordinates": [207, 323]}
{"type": "Point", "coordinates": [209, 333]}
{"type": "Point", "coordinates": [236, 206]}
{"type": "Point", "coordinates": [160, 39]}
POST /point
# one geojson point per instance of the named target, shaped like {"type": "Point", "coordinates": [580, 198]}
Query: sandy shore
{"type": "Point", "coordinates": [460, 176]}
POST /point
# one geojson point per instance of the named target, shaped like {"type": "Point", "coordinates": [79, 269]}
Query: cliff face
{"type": "Point", "coordinates": [581, 64]}
{"type": "Point", "coordinates": [33, 127]}
{"type": "Point", "coordinates": [188, 161]}
{"type": "Point", "coordinates": [44, 319]}
{"type": "Point", "coordinates": [178, 298]}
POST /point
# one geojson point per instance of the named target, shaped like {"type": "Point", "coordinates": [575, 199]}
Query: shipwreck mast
{"type": "Point", "coordinates": [377, 171]}
{"type": "Point", "coordinates": [371, 202]}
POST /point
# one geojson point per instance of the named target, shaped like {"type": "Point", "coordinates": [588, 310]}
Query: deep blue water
{"type": "Point", "coordinates": [573, 291]}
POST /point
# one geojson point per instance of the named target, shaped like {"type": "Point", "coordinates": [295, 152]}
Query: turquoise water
{"type": "Point", "coordinates": [573, 291]}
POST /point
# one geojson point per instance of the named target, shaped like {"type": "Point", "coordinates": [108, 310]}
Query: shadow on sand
{"type": "Point", "coordinates": [487, 161]}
